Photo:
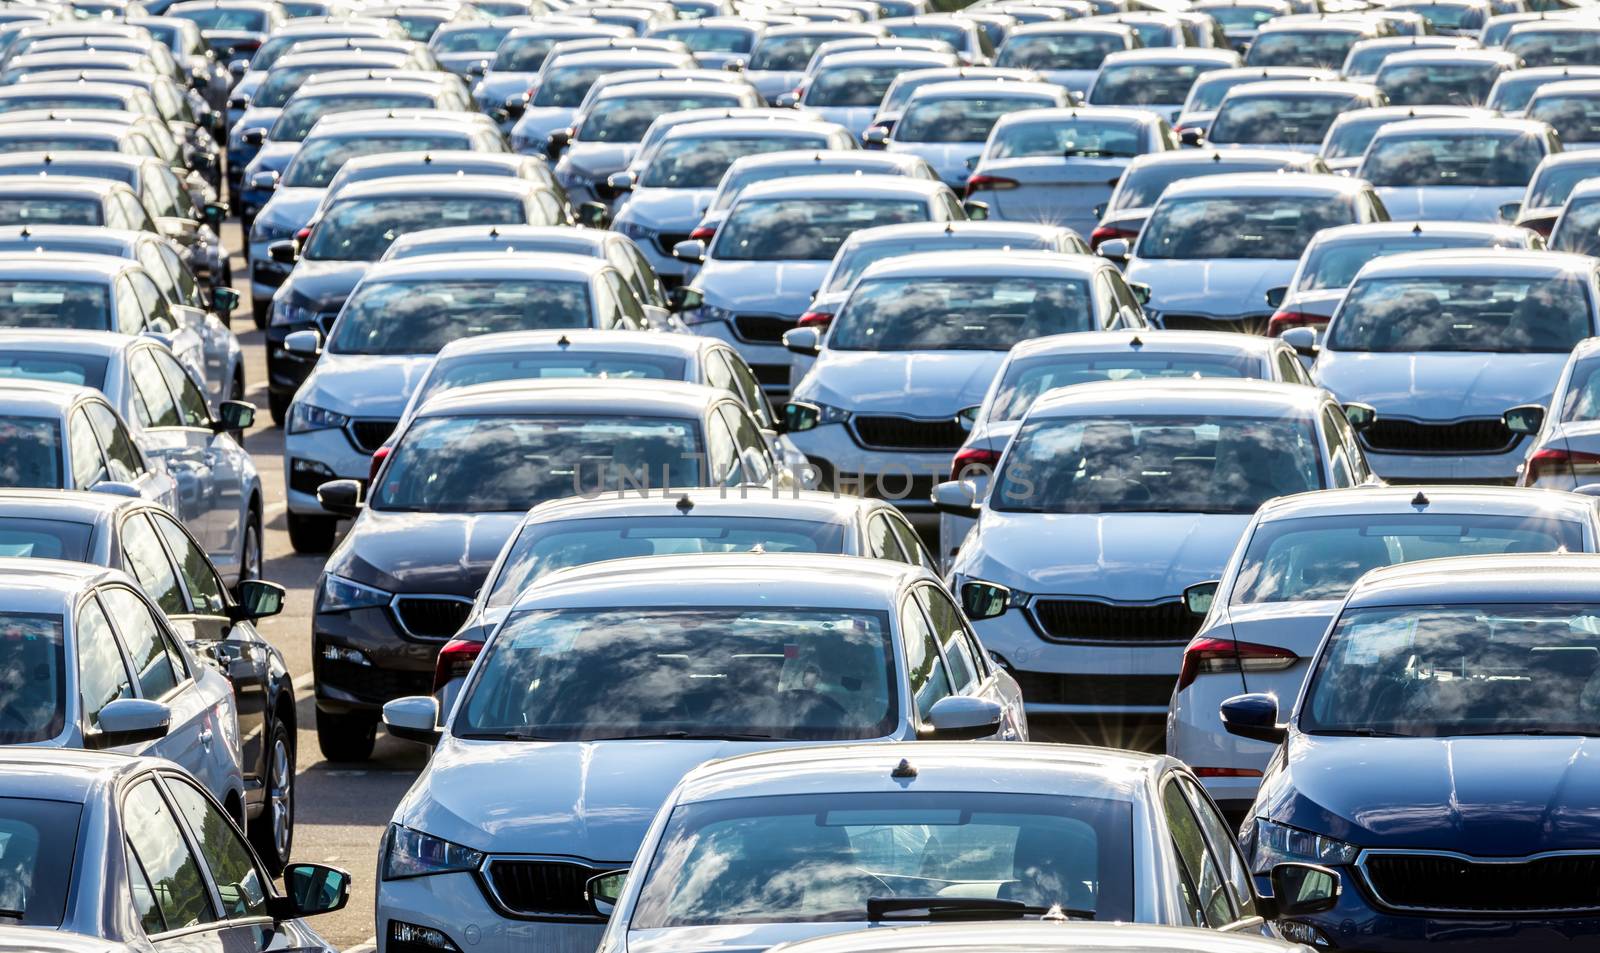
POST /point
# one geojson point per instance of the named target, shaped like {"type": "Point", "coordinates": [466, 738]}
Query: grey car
{"type": "Point", "coordinates": [1512, 90]}
{"type": "Point", "coordinates": [1351, 132]}
{"type": "Point", "coordinates": [1293, 115]}
{"type": "Point", "coordinates": [785, 165]}
{"type": "Point", "coordinates": [1565, 452]}
{"type": "Point", "coordinates": [1157, 79]}
{"type": "Point", "coordinates": [1454, 169]}
{"type": "Point", "coordinates": [949, 123]}
{"type": "Point", "coordinates": [1552, 182]}
{"type": "Point", "coordinates": [1443, 77]}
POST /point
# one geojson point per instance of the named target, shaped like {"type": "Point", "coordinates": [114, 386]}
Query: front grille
{"type": "Point", "coordinates": [369, 435]}
{"type": "Point", "coordinates": [1482, 435]}
{"type": "Point", "coordinates": [1082, 620]}
{"type": "Point", "coordinates": [432, 617]}
{"type": "Point", "coordinates": [1045, 688]}
{"type": "Point", "coordinates": [1244, 324]}
{"type": "Point", "coordinates": [1558, 883]}
{"type": "Point", "coordinates": [665, 241]}
{"type": "Point", "coordinates": [372, 685]}
{"type": "Point", "coordinates": [906, 433]}
{"type": "Point", "coordinates": [534, 888]}
{"type": "Point", "coordinates": [894, 487]}
{"type": "Point", "coordinates": [762, 328]}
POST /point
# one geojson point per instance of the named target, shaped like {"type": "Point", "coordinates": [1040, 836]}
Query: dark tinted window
{"type": "Point", "coordinates": [30, 453]}
{"type": "Point", "coordinates": [33, 696]}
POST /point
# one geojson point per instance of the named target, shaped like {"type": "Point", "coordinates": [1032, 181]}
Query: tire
{"type": "Point", "coordinates": [272, 833]}
{"type": "Point", "coordinates": [260, 311]}
{"type": "Point", "coordinates": [311, 534]}
{"type": "Point", "coordinates": [279, 405]}
{"type": "Point", "coordinates": [346, 737]}
{"type": "Point", "coordinates": [252, 553]}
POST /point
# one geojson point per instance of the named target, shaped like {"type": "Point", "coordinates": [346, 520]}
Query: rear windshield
{"type": "Point", "coordinates": [1141, 188]}
{"type": "Point", "coordinates": [963, 314]}
{"type": "Point", "coordinates": [699, 163]}
{"type": "Point", "coordinates": [1513, 315]}
{"type": "Point", "coordinates": [38, 840]}
{"type": "Point", "coordinates": [850, 85]}
{"type": "Point", "coordinates": [420, 317]}
{"type": "Point", "coordinates": [24, 538]}
{"type": "Point", "coordinates": [1556, 47]}
{"type": "Point", "coordinates": [34, 689]}
{"type": "Point", "coordinates": [1255, 227]}
{"type": "Point", "coordinates": [1551, 187]}
{"type": "Point", "coordinates": [1350, 138]}
{"type": "Point", "coordinates": [1335, 264]}
{"type": "Point", "coordinates": [1292, 119]}
{"type": "Point", "coordinates": [300, 114]}
{"type": "Point", "coordinates": [1314, 48]}
{"type": "Point", "coordinates": [1578, 228]}
{"type": "Point", "coordinates": [625, 118]}
{"type": "Point", "coordinates": [566, 86]}
{"type": "Point", "coordinates": [1081, 137]}
{"type": "Point", "coordinates": [1454, 160]}
{"type": "Point", "coordinates": [1575, 118]}
{"type": "Point", "coordinates": [1447, 16]}
{"type": "Point", "coordinates": [787, 53]}
{"type": "Point", "coordinates": [315, 165]}
{"type": "Point", "coordinates": [549, 365]}
{"type": "Point", "coordinates": [1140, 84]}
{"type": "Point", "coordinates": [806, 229]}
{"type": "Point", "coordinates": [1060, 51]}
{"type": "Point", "coordinates": [67, 367]}
{"type": "Point", "coordinates": [710, 39]}
{"type": "Point", "coordinates": [849, 265]}
{"type": "Point", "coordinates": [78, 305]}
{"type": "Point", "coordinates": [1437, 84]}
{"type": "Point", "coordinates": [1026, 379]}
{"type": "Point", "coordinates": [968, 119]}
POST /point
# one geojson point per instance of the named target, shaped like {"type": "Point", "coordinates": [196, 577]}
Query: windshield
{"type": "Point", "coordinates": [1436, 671]}
{"type": "Point", "coordinates": [315, 165]}
{"type": "Point", "coordinates": [420, 317]}
{"type": "Point", "coordinates": [302, 113]}
{"type": "Point", "coordinates": [219, 18]}
{"type": "Point", "coordinates": [959, 314]}
{"type": "Point", "coordinates": [1081, 137]}
{"type": "Point", "coordinates": [1321, 557]}
{"type": "Point", "coordinates": [361, 229]}
{"type": "Point", "coordinates": [1555, 47]}
{"type": "Point", "coordinates": [548, 365]}
{"type": "Point", "coordinates": [1335, 264]}
{"type": "Point", "coordinates": [1026, 379]}
{"type": "Point", "coordinates": [1322, 49]}
{"type": "Point", "coordinates": [1207, 93]}
{"type": "Point", "coordinates": [1458, 159]}
{"type": "Point", "coordinates": [779, 673]}
{"type": "Point", "coordinates": [787, 53]}
{"type": "Point", "coordinates": [475, 39]}
{"type": "Point", "coordinates": [84, 370]}
{"type": "Point", "coordinates": [805, 229]}
{"type": "Point", "coordinates": [1578, 228]}
{"type": "Point", "coordinates": [710, 39]}
{"type": "Point", "coordinates": [1507, 315]}
{"type": "Point", "coordinates": [700, 163]}
{"type": "Point", "coordinates": [1552, 185]}
{"type": "Point", "coordinates": [822, 857]}
{"type": "Point", "coordinates": [30, 453]}
{"type": "Point", "coordinates": [1141, 187]}
{"type": "Point", "coordinates": [1288, 119]}
{"type": "Point", "coordinates": [566, 86]}
{"type": "Point", "coordinates": [505, 463]}
{"type": "Point", "coordinates": [850, 85]}
{"type": "Point", "coordinates": [38, 840]}
{"type": "Point", "coordinates": [1156, 464]}
{"type": "Point", "coordinates": [43, 303]}
{"type": "Point", "coordinates": [1060, 51]}
{"type": "Point", "coordinates": [282, 82]}
{"type": "Point", "coordinates": [626, 118]}
{"type": "Point", "coordinates": [1447, 16]}
{"type": "Point", "coordinates": [968, 119]}
{"type": "Point", "coordinates": [543, 548]}
{"type": "Point", "coordinates": [50, 210]}
{"type": "Point", "coordinates": [524, 54]}
{"type": "Point", "coordinates": [1582, 398]}
{"type": "Point", "coordinates": [850, 263]}
{"type": "Point", "coordinates": [1138, 84]}
{"type": "Point", "coordinates": [829, 162]}
{"type": "Point", "coordinates": [1238, 17]}
{"type": "Point", "coordinates": [1437, 84]}
{"type": "Point", "coordinates": [1575, 118]}
{"type": "Point", "coordinates": [22, 143]}
{"type": "Point", "coordinates": [33, 695]}
{"type": "Point", "coordinates": [1266, 227]}
{"type": "Point", "coordinates": [26, 538]}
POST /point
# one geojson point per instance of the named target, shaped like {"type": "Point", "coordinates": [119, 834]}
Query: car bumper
{"type": "Point", "coordinates": [389, 665]}
{"type": "Point", "coordinates": [903, 477]}
{"type": "Point", "coordinates": [315, 457]}
{"type": "Point", "coordinates": [455, 905]}
{"type": "Point", "coordinates": [286, 371]}
{"type": "Point", "coordinates": [1066, 678]}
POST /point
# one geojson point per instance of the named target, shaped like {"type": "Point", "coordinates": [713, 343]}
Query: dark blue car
{"type": "Point", "coordinates": [1443, 758]}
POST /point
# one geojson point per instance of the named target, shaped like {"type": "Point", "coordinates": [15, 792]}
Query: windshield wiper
{"type": "Point", "coordinates": [507, 734]}
{"type": "Point", "coordinates": [959, 908]}
{"type": "Point", "coordinates": [1579, 732]}
{"type": "Point", "coordinates": [1360, 733]}
{"type": "Point", "coordinates": [681, 735]}
{"type": "Point", "coordinates": [13, 914]}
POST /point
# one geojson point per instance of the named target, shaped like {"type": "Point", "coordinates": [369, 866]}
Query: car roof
{"type": "Point", "coordinates": [1388, 114]}
{"type": "Point", "coordinates": [1171, 54]}
{"type": "Point", "coordinates": [591, 241]}
{"type": "Point", "coordinates": [1567, 87]}
{"type": "Point", "coordinates": [1558, 159]}
{"type": "Point", "coordinates": [493, 186]}
{"type": "Point", "coordinates": [81, 156]}
{"type": "Point", "coordinates": [885, 160]}
{"type": "Point", "coordinates": [904, 59]}
{"type": "Point", "coordinates": [351, 87]}
{"type": "Point", "coordinates": [1442, 228]}
{"type": "Point", "coordinates": [1523, 578]}
{"type": "Point", "coordinates": [63, 774]}
{"type": "Point", "coordinates": [1485, 262]}
{"type": "Point", "coordinates": [68, 340]}
{"type": "Point", "coordinates": [1052, 27]}
{"type": "Point", "coordinates": [581, 340]}
{"type": "Point", "coordinates": [1039, 936]}
{"type": "Point", "coordinates": [508, 161]}
{"type": "Point", "coordinates": [1481, 125]}
{"type": "Point", "coordinates": [990, 89]}
{"type": "Point", "coordinates": [589, 396]}
{"type": "Point", "coordinates": [810, 505]}
{"type": "Point", "coordinates": [1272, 157]}
{"type": "Point", "coordinates": [1212, 395]}
{"type": "Point", "coordinates": [486, 265]}
{"type": "Point", "coordinates": [842, 186]}
{"type": "Point", "coordinates": [673, 87]}
{"type": "Point", "coordinates": [45, 585]}
{"type": "Point", "coordinates": [1265, 183]}
{"type": "Point", "coordinates": [23, 265]}
{"type": "Point", "coordinates": [21, 396]}
{"type": "Point", "coordinates": [1002, 228]}
{"type": "Point", "coordinates": [1461, 499]}
{"type": "Point", "coordinates": [1142, 117]}
{"type": "Point", "coordinates": [59, 184]}
{"type": "Point", "coordinates": [1148, 339]}
{"type": "Point", "coordinates": [1301, 87]}
{"type": "Point", "coordinates": [985, 263]}
{"type": "Point", "coordinates": [1451, 55]}
{"type": "Point", "coordinates": [81, 87]}
{"type": "Point", "coordinates": [776, 127]}
{"type": "Point", "coordinates": [80, 506]}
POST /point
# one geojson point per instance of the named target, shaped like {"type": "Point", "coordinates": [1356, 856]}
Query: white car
{"type": "Point", "coordinates": [848, 87]}
{"type": "Point", "coordinates": [568, 76]}
{"type": "Point", "coordinates": [1511, 92]}
{"type": "Point", "coordinates": [1571, 107]}
{"type": "Point", "coordinates": [556, 756]}
{"type": "Point", "coordinates": [1205, 94]}
{"type": "Point", "coordinates": [779, 61]}
{"type": "Point", "coordinates": [1455, 169]}
{"type": "Point", "coordinates": [1039, 936]}
{"type": "Point", "coordinates": [1347, 139]}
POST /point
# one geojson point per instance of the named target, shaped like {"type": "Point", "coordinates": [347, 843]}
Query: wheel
{"type": "Point", "coordinates": [346, 737]}
{"type": "Point", "coordinates": [311, 534]}
{"type": "Point", "coordinates": [250, 553]}
{"type": "Point", "coordinates": [260, 311]}
{"type": "Point", "coordinates": [272, 833]}
{"type": "Point", "coordinates": [279, 405]}
{"type": "Point", "coordinates": [227, 272]}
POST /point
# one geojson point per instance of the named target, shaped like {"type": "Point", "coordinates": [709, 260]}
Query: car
{"type": "Point", "coordinates": [188, 114]}
{"type": "Point", "coordinates": [466, 47]}
{"type": "Point", "coordinates": [292, 70]}
{"type": "Point", "coordinates": [664, 196]}
{"type": "Point", "coordinates": [1068, 54]}
{"type": "Point", "coordinates": [891, 44]}
{"type": "Point", "coordinates": [1155, 477]}
{"type": "Point", "coordinates": [1293, 115]}
{"type": "Point", "coordinates": [949, 123]}
{"type": "Point", "coordinates": [1548, 189]}
{"type": "Point", "coordinates": [208, 77]}
{"type": "Point", "coordinates": [1244, 233]}
{"type": "Point", "coordinates": [756, 278]}
{"type": "Point", "coordinates": [1553, 42]}
{"type": "Point", "coordinates": [1572, 108]}
{"type": "Point", "coordinates": [16, 95]}
{"type": "Point", "coordinates": [230, 27]}
{"type": "Point", "coordinates": [717, 41]}
{"type": "Point", "coordinates": [1158, 80]}
{"type": "Point", "coordinates": [517, 60]}
{"type": "Point", "coordinates": [848, 88]}
{"type": "Point", "coordinates": [1057, 166]}
{"type": "Point", "coordinates": [383, 610]}
{"type": "Point", "coordinates": [1577, 227]}
{"type": "Point", "coordinates": [421, 21]}
{"type": "Point", "coordinates": [1205, 94]}
{"type": "Point", "coordinates": [1310, 42]}
{"type": "Point", "coordinates": [1334, 256]}
{"type": "Point", "coordinates": [738, 652]}
{"type": "Point", "coordinates": [1364, 60]}
{"type": "Point", "coordinates": [98, 837]}
{"type": "Point", "coordinates": [552, 98]}
{"type": "Point", "coordinates": [1514, 634]}
{"type": "Point", "coordinates": [936, 831]}
{"type": "Point", "coordinates": [1347, 138]}
{"type": "Point", "coordinates": [1240, 19]}
{"type": "Point", "coordinates": [778, 62]}
{"type": "Point", "coordinates": [965, 36]}
{"type": "Point", "coordinates": [1451, 17]}
{"type": "Point", "coordinates": [106, 131]}
{"type": "Point", "coordinates": [1443, 77]}
{"type": "Point", "coordinates": [1512, 91]}
{"type": "Point", "coordinates": [909, 81]}
{"type": "Point", "coordinates": [351, 232]}
{"type": "Point", "coordinates": [22, 64]}
{"type": "Point", "coordinates": [1560, 455]}
{"type": "Point", "coordinates": [1444, 344]}
{"type": "Point", "coordinates": [1043, 936]}
{"type": "Point", "coordinates": [913, 350]}
{"type": "Point", "coordinates": [135, 685]}
{"type": "Point", "coordinates": [1296, 561]}
{"type": "Point", "coordinates": [784, 165]}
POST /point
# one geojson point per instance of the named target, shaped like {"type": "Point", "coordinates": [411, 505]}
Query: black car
{"type": "Point", "coordinates": [146, 541]}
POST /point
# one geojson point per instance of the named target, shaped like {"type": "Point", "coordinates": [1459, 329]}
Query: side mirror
{"type": "Point", "coordinates": [515, 106]}
{"type": "Point", "coordinates": [685, 298]}
{"type": "Point", "coordinates": [1510, 211]}
{"type": "Point", "coordinates": [1361, 416]}
{"type": "Point", "coordinates": [234, 416]}
{"type": "Point", "coordinates": [1115, 249]}
{"type": "Point", "coordinates": [786, 100]}
{"type": "Point", "coordinates": [592, 215]}
{"type": "Point", "coordinates": [253, 137]}
{"type": "Point", "coordinates": [1526, 419]}
{"type": "Point", "coordinates": [976, 211]}
{"type": "Point", "coordinates": [734, 66]}
{"type": "Point", "coordinates": [956, 497]}
{"type": "Point", "coordinates": [311, 889]}
{"type": "Point", "coordinates": [307, 342]}
{"type": "Point", "coordinates": [1253, 716]}
{"type": "Point", "coordinates": [602, 891]}
{"type": "Point", "coordinates": [984, 600]}
{"type": "Point", "coordinates": [476, 70]}
{"type": "Point", "coordinates": [1303, 340]}
{"type": "Point", "coordinates": [1192, 137]}
{"type": "Point", "coordinates": [1198, 597]}
{"type": "Point", "coordinates": [963, 718]}
{"type": "Point", "coordinates": [180, 230]}
{"type": "Point", "coordinates": [804, 341]}
{"type": "Point", "coordinates": [264, 180]}
{"type": "Point", "coordinates": [797, 416]}
{"type": "Point", "coordinates": [1276, 295]}
{"type": "Point", "coordinates": [213, 213]}
{"type": "Point", "coordinates": [875, 138]}
{"type": "Point", "coordinates": [619, 182]}
{"type": "Point", "coordinates": [129, 721]}
{"type": "Point", "coordinates": [1141, 292]}
{"type": "Point", "coordinates": [692, 250]}
{"type": "Point", "coordinates": [340, 497]}
{"type": "Point", "coordinates": [1301, 889]}
{"type": "Point", "coordinates": [967, 417]}
{"type": "Point", "coordinates": [556, 142]}
{"type": "Point", "coordinates": [224, 300]}
{"type": "Point", "coordinates": [283, 252]}
{"type": "Point", "coordinates": [415, 718]}
{"type": "Point", "coordinates": [257, 599]}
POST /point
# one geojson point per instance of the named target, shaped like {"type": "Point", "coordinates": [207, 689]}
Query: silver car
{"type": "Point", "coordinates": [566, 79]}
{"type": "Point", "coordinates": [1572, 108]}
{"type": "Point", "coordinates": [909, 81]}
{"type": "Point", "coordinates": [1068, 54]}
{"type": "Point", "coordinates": [736, 653]}
{"type": "Point", "coordinates": [1206, 93]}
{"type": "Point", "coordinates": [1443, 77]}
{"type": "Point", "coordinates": [948, 123]}
{"type": "Point", "coordinates": [1453, 169]}
{"type": "Point", "coordinates": [1041, 936]}
{"type": "Point", "coordinates": [521, 55]}
{"type": "Point", "coordinates": [1512, 90]}
{"type": "Point", "coordinates": [1553, 181]}
{"type": "Point", "coordinates": [1364, 60]}
{"type": "Point", "coordinates": [1158, 80]}
{"type": "Point", "coordinates": [1565, 452]}
{"type": "Point", "coordinates": [779, 60]}
{"type": "Point", "coordinates": [849, 86]}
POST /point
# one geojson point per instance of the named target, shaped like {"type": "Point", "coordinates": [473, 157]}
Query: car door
{"type": "Point", "coordinates": [83, 451]}
{"type": "Point", "coordinates": [103, 675]}
{"type": "Point", "coordinates": [124, 463]}
{"type": "Point", "coordinates": [910, 542]}
{"type": "Point", "coordinates": [212, 460]}
{"type": "Point", "coordinates": [1204, 895]}
{"type": "Point", "coordinates": [754, 456]}
{"type": "Point", "coordinates": [1224, 848]}
{"type": "Point", "coordinates": [925, 669]}
{"type": "Point", "coordinates": [971, 673]}
{"type": "Point", "coordinates": [881, 540]}
{"type": "Point", "coordinates": [171, 893]}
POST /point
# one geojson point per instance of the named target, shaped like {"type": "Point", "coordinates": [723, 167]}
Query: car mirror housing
{"type": "Point", "coordinates": [592, 215]}
{"type": "Point", "coordinates": [253, 137]}
{"type": "Point", "coordinates": [976, 211]}
{"type": "Point", "coordinates": [1524, 420]}
{"type": "Point", "coordinates": [963, 718]}
{"type": "Point", "coordinates": [1199, 597]}
{"type": "Point", "coordinates": [984, 600]}
{"type": "Point", "coordinates": [1115, 249]}
{"type": "Point", "coordinates": [556, 142]}
{"type": "Point", "coordinates": [117, 488]}
{"type": "Point", "coordinates": [804, 341]}
{"type": "Point", "coordinates": [797, 416]}
{"type": "Point", "coordinates": [1193, 138]}
{"type": "Point", "coordinates": [340, 497]}
{"type": "Point", "coordinates": [875, 138]}
{"type": "Point", "coordinates": [414, 718]}
{"type": "Point", "coordinates": [956, 497]}
{"type": "Point", "coordinates": [1510, 211]}
{"type": "Point", "coordinates": [283, 252]}
{"type": "Point", "coordinates": [1276, 295]}
{"type": "Point", "coordinates": [691, 250]}
{"type": "Point", "coordinates": [257, 599]}
{"type": "Point", "coordinates": [1303, 340]}
{"type": "Point", "coordinates": [224, 300]}
{"type": "Point", "coordinates": [234, 416]}
{"type": "Point", "coordinates": [1253, 716]}
{"type": "Point", "coordinates": [1301, 889]}
{"type": "Point", "coordinates": [967, 417]}
{"type": "Point", "coordinates": [307, 342]}
{"type": "Point", "coordinates": [129, 721]}
{"type": "Point", "coordinates": [1361, 416]}
{"type": "Point", "coordinates": [311, 889]}
{"type": "Point", "coordinates": [603, 890]}
{"type": "Point", "coordinates": [619, 182]}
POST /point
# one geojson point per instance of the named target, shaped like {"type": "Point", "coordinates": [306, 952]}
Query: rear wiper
{"type": "Point", "coordinates": [681, 735]}
{"type": "Point", "coordinates": [959, 908]}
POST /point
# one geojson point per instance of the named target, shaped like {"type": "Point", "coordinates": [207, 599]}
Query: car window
{"type": "Point", "coordinates": [115, 215]}
{"type": "Point", "coordinates": [1337, 462]}
{"type": "Point", "coordinates": [156, 664]}
{"type": "Point", "coordinates": [163, 859]}
{"type": "Point", "coordinates": [881, 542]}
{"type": "Point", "coordinates": [749, 389]}
{"type": "Point", "coordinates": [953, 637]}
{"type": "Point", "coordinates": [205, 589]}
{"type": "Point", "coordinates": [152, 402]}
{"type": "Point", "coordinates": [910, 544]}
{"type": "Point", "coordinates": [188, 290]}
{"type": "Point", "coordinates": [722, 455]}
{"type": "Point", "coordinates": [1223, 846]}
{"type": "Point", "coordinates": [191, 402]}
{"type": "Point", "coordinates": [88, 466]}
{"type": "Point", "coordinates": [148, 562]}
{"type": "Point", "coordinates": [1290, 368]}
{"type": "Point", "coordinates": [627, 302]}
{"type": "Point", "coordinates": [102, 675]}
{"type": "Point", "coordinates": [239, 883]}
{"type": "Point", "coordinates": [1200, 869]}
{"type": "Point", "coordinates": [129, 317]}
{"type": "Point", "coordinates": [720, 375]}
{"type": "Point", "coordinates": [605, 305]}
{"type": "Point", "coordinates": [151, 302]}
{"type": "Point", "coordinates": [122, 457]}
{"type": "Point", "coordinates": [156, 266]}
{"type": "Point", "coordinates": [751, 446]}
{"type": "Point", "coordinates": [929, 680]}
{"type": "Point", "coordinates": [1105, 302]}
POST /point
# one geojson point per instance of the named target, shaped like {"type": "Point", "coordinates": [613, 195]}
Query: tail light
{"type": "Point", "coordinates": [990, 183]}
{"type": "Point", "coordinates": [1208, 656]}
{"type": "Point", "coordinates": [1108, 232]}
{"type": "Point", "coordinates": [702, 233]}
{"type": "Point", "coordinates": [1282, 321]}
{"type": "Point", "coordinates": [1228, 772]}
{"type": "Point", "coordinates": [973, 458]}
{"type": "Point", "coordinates": [455, 661]}
{"type": "Point", "coordinates": [1556, 461]}
{"type": "Point", "coordinates": [378, 456]}
{"type": "Point", "coordinates": [815, 319]}
{"type": "Point", "coordinates": [303, 234]}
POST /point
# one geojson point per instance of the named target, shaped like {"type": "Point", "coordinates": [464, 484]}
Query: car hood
{"type": "Point", "coordinates": [1437, 386]}
{"type": "Point", "coordinates": [1132, 556]}
{"type": "Point", "coordinates": [771, 287]}
{"type": "Point", "coordinates": [364, 385]}
{"type": "Point", "coordinates": [666, 209]}
{"type": "Point", "coordinates": [918, 383]}
{"type": "Point", "coordinates": [499, 85]}
{"type": "Point", "coordinates": [447, 553]}
{"type": "Point", "coordinates": [595, 160]}
{"type": "Point", "coordinates": [325, 283]}
{"type": "Point", "coordinates": [1456, 203]}
{"type": "Point", "coordinates": [587, 799]}
{"type": "Point", "coordinates": [1443, 793]}
{"type": "Point", "coordinates": [732, 938]}
{"type": "Point", "coordinates": [290, 208]}
{"type": "Point", "coordinates": [772, 83]}
{"type": "Point", "coordinates": [949, 159]}
{"type": "Point", "coordinates": [258, 117]}
{"type": "Point", "coordinates": [273, 157]}
{"type": "Point", "coordinates": [1213, 286]}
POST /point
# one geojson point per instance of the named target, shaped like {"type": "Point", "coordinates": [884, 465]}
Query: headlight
{"type": "Point", "coordinates": [409, 853]}
{"type": "Point", "coordinates": [341, 595]}
{"type": "Point", "coordinates": [707, 313]}
{"type": "Point", "coordinates": [289, 310]}
{"type": "Point", "coordinates": [304, 418]}
{"type": "Point", "coordinates": [1018, 600]}
{"type": "Point", "coordinates": [633, 230]}
{"type": "Point", "coordinates": [569, 178]}
{"type": "Point", "coordinates": [1277, 844]}
{"type": "Point", "coordinates": [832, 414]}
